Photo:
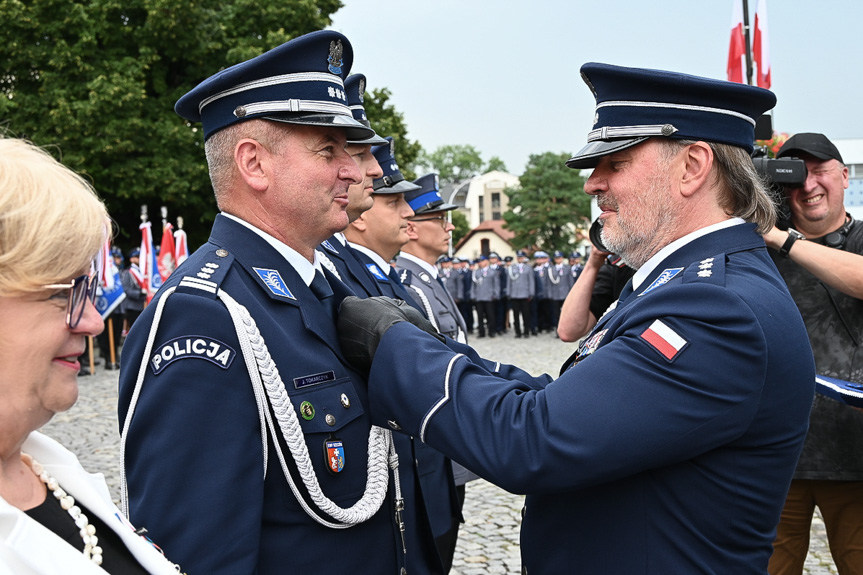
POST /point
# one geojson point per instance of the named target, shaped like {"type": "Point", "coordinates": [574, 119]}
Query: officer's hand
{"type": "Point", "coordinates": [363, 322]}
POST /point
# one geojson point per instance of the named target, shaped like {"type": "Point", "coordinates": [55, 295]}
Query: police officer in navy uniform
{"type": "Point", "coordinates": [496, 265]}
{"type": "Point", "coordinates": [465, 304]}
{"type": "Point", "coordinates": [375, 238]}
{"type": "Point", "coordinates": [246, 437]}
{"type": "Point", "coordinates": [669, 440]}
{"type": "Point", "coordinates": [429, 232]}
{"type": "Point", "coordinates": [334, 253]}
{"type": "Point", "coordinates": [539, 309]}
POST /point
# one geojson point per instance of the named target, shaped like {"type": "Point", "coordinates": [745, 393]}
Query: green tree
{"type": "Point", "coordinates": [453, 163]}
{"type": "Point", "coordinates": [387, 121]}
{"type": "Point", "coordinates": [548, 204]}
{"type": "Point", "coordinates": [96, 82]}
{"type": "Point", "coordinates": [462, 227]}
{"type": "Point", "coordinates": [495, 164]}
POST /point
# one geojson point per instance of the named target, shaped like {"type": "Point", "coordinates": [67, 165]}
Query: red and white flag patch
{"type": "Point", "coordinates": [664, 340]}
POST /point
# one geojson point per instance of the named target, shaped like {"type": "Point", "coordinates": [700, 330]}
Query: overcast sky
{"type": "Point", "coordinates": [503, 76]}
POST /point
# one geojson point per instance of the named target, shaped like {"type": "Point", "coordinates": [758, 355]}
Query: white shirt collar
{"type": "Point", "coordinates": [304, 267]}
{"type": "Point", "coordinates": [385, 266]}
{"type": "Point", "coordinates": [422, 263]}
{"type": "Point", "coordinates": [341, 237]}
{"type": "Point", "coordinates": [659, 256]}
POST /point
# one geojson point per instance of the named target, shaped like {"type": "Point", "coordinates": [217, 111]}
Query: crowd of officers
{"type": "Point", "coordinates": [522, 294]}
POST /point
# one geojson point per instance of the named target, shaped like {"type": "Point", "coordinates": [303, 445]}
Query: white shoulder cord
{"type": "Point", "coordinates": [551, 276]}
{"type": "Point", "coordinates": [259, 363]}
{"type": "Point", "coordinates": [427, 306]}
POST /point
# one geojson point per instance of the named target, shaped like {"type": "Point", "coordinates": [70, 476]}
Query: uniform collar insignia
{"type": "Point", "coordinates": [273, 280]}
{"type": "Point", "coordinates": [329, 246]}
{"type": "Point", "coordinates": [377, 273]}
{"type": "Point", "coordinates": [663, 279]}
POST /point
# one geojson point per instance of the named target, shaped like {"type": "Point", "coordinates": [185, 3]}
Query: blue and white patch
{"type": "Point", "coordinates": [377, 273]}
{"type": "Point", "coordinates": [274, 281]}
{"type": "Point", "coordinates": [329, 246]}
{"type": "Point", "coordinates": [663, 279]}
{"type": "Point", "coordinates": [190, 347]}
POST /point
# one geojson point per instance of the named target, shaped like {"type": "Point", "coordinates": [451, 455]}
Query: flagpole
{"type": "Point", "coordinates": [748, 44]}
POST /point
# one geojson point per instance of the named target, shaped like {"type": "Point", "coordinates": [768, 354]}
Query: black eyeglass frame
{"type": "Point", "coordinates": [81, 289]}
{"type": "Point", "coordinates": [444, 221]}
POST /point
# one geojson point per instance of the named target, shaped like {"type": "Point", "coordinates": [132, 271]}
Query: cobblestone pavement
{"type": "Point", "coordinates": [488, 541]}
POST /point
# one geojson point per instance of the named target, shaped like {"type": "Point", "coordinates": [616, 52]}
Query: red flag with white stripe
{"type": "Point", "coordinates": [166, 259]}
{"type": "Point", "coordinates": [181, 246]}
{"type": "Point", "coordinates": [737, 46]}
{"type": "Point", "coordinates": [760, 45]}
{"type": "Point", "coordinates": [147, 262]}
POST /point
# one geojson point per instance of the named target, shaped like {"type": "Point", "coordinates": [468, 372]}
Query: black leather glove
{"type": "Point", "coordinates": [363, 322]}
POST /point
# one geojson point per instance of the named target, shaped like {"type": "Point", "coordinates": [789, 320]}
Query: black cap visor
{"type": "Point", "coordinates": [588, 156]}
{"type": "Point", "coordinates": [401, 187]}
{"type": "Point", "coordinates": [354, 131]}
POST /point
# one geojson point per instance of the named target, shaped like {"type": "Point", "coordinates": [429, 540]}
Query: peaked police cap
{"type": "Point", "coordinates": [355, 87]}
{"type": "Point", "coordinates": [392, 182]}
{"type": "Point", "coordinates": [634, 104]}
{"type": "Point", "coordinates": [299, 82]}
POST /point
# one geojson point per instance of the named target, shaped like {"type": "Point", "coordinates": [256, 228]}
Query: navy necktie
{"type": "Point", "coordinates": [321, 288]}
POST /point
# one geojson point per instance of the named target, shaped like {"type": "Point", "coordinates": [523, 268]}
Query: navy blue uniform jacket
{"type": "Point", "coordinates": [435, 472]}
{"type": "Point", "coordinates": [194, 458]}
{"type": "Point", "coordinates": [648, 455]}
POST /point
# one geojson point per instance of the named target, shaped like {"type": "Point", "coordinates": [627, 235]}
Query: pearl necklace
{"type": "Point", "coordinates": [92, 551]}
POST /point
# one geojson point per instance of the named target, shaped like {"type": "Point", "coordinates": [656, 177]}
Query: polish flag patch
{"type": "Point", "coordinates": [664, 340]}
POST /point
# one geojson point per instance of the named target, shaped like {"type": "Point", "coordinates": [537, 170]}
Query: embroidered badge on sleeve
{"type": "Point", "coordinates": [664, 340]}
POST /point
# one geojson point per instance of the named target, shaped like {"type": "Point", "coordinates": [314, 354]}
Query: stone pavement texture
{"type": "Point", "coordinates": [489, 539]}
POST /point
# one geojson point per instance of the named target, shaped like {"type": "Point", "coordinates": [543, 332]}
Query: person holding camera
{"type": "Point", "coordinates": [820, 256]}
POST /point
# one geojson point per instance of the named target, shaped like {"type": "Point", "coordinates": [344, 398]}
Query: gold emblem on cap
{"type": "Point", "coordinates": [240, 111]}
{"type": "Point", "coordinates": [222, 253]}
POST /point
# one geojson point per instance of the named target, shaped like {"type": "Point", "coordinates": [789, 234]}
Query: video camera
{"type": "Point", "coordinates": [778, 173]}
{"type": "Point", "coordinates": [787, 172]}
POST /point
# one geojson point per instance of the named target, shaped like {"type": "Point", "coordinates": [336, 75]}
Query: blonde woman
{"type": "Point", "coordinates": [54, 516]}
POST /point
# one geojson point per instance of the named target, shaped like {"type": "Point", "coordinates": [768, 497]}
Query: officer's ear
{"type": "Point", "coordinates": [412, 231]}
{"type": "Point", "coordinates": [696, 162]}
{"type": "Point", "coordinates": [251, 159]}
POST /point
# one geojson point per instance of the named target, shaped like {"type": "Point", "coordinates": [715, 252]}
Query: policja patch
{"type": "Point", "coordinates": [192, 346]}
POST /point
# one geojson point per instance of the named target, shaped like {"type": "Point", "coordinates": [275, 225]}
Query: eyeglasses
{"type": "Point", "coordinates": [81, 289]}
{"type": "Point", "coordinates": [442, 220]}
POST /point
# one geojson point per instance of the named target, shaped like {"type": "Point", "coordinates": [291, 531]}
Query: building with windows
{"type": "Point", "coordinates": [483, 201]}
{"type": "Point", "coordinates": [852, 153]}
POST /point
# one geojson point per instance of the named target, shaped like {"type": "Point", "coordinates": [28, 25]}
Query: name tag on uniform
{"type": "Point", "coordinates": [315, 379]}
{"type": "Point", "coordinates": [186, 347]}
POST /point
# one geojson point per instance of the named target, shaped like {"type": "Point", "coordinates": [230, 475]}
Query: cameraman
{"type": "Point", "coordinates": [819, 257]}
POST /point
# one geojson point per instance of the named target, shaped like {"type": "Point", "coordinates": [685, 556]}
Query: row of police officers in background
{"type": "Point", "coordinates": [497, 294]}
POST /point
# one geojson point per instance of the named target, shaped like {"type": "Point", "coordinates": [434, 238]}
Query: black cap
{"type": "Point", "coordinates": [810, 143]}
